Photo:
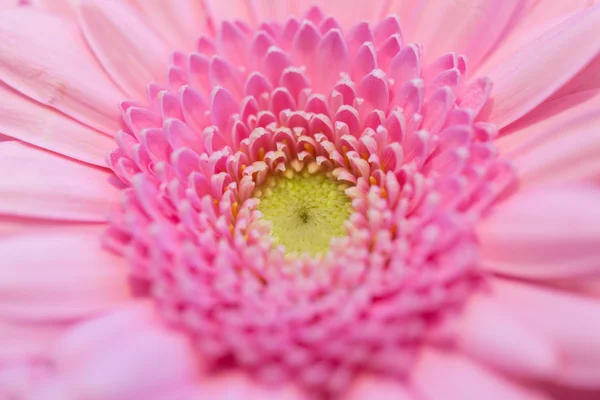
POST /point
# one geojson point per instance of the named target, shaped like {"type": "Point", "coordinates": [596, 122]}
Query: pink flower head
{"type": "Point", "coordinates": [331, 200]}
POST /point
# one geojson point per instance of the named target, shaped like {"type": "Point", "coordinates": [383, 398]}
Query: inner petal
{"type": "Point", "coordinates": [305, 210]}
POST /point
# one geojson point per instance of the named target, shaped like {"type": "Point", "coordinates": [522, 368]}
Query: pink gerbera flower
{"type": "Point", "coordinates": [261, 199]}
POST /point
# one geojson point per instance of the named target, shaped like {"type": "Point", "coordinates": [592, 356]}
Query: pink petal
{"type": "Point", "coordinates": [545, 117]}
{"type": "Point", "coordinates": [534, 73]}
{"type": "Point", "coordinates": [64, 8]}
{"type": "Point", "coordinates": [481, 24]}
{"type": "Point", "coordinates": [532, 20]}
{"type": "Point", "coordinates": [544, 234]}
{"type": "Point", "coordinates": [31, 122]}
{"type": "Point", "coordinates": [131, 65]}
{"type": "Point", "coordinates": [26, 340]}
{"type": "Point", "coordinates": [570, 321]}
{"type": "Point", "coordinates": [38, 184]}
{"type": "Point", "coordinates": [557, 143]}
{"type": "Point", "coordinates": [447, 376]}
{"type": "Point", "coordinates": [46, 59]}
{"type": "Point", "coordinates": [9, 4]}
{"type": "Point", "coordinates": [268, 10]}
{"type": "Point", "coordinates": [238, 385]}
{"type": "Point", "coordinates": [587, 79]}
{"type": "Point", "coordinates": [179, 22]}
{"type": "Point", "coordinates": [219, 10]}
{"type": "Point", "coordinates": [128, 354]}
{"type": "Point", "coordinates": [332, 59]}
{"type": "Point", "coordinates": [59, 274]}
{"type": "Point", "coordinates": [374, 387]}
{"type": "Point", "coordinates": [490, 333]}
{"type": "Point", "coordinates": [347, 13]}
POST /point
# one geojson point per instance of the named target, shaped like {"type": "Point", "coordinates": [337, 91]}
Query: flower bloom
{"type": "Point", "coordinates": [258, 199]}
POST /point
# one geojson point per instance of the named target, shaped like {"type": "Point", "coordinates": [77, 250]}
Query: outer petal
{"type": "Point", "coordinates": [535, 18]}
{"type": "Point", "coordinates": [45, 127]}
{"type": "Point", "coordinates": [26, 340]}
{"type": "Point", "coordinates": [38, 184]}
{"type": "Point", "coordinates": [132, 54]}
{"type": "Point", "coordinates": [587, 79]}
{"type": "Point", "coordinates": [64, 8]}
{"type": "Point", "coordinates": [545, 117]}
{"type": "Point", "coordinates": [447, 376]}
{"type": "Point", "coordinates": [267, 10]}
{"type": "Point", "coordinates": [59, 275]}
{"type": "Point", "coordinates": [219, 10]}
{"type": "Point", "coordinates": [490, 333]}
{"type": "Point", "coordinates": [571, 322]}
{"type": "Point", "coordinates": [349, 13]}
{"type": "Point", "coordinates": [45, 58]}
{"type": "Point", "coordinates": [8, 4]}
{"type": "Point", "coordinates": [469, 27]}
{"type": "Point", "coordinates": [544, 234]}
{"type": "Point", "coordinates": [534, 73]}
{"type": "Point", "coordinates": [126, 355]}
{"type": "Point", "coordinates": [558, 143]}
{"type": "Point", "coordinates": [238, 385]}
{"type": "Point", "coordinates": [372, 387]}
{"type": "Point", "coordinates": [180, 22]}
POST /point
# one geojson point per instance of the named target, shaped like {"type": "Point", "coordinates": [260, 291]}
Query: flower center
{"type": "Point", "coordinates": [305, 210]}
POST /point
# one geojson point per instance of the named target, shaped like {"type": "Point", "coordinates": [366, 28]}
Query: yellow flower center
{"type": "Point", "coordinates": [305, 210]}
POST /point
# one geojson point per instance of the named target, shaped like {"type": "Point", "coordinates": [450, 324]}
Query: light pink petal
{"type": "Point", "coordinates": [448, 376]}
{"type": "Point", "coordinates": [570, 321]}
{"type": "Point", "coordinates": [544, 234]}
{"type": "Point", "coordinates": [179, 22]}
{"type": "Point", "coordinates": [380, 388]}
{"type": "Point", "coordinates": [26, 340]}
{"type": "Point", "coordinates": [46, 58]}
{"type": "Point", "coordinates": [409, 12]}
{"type": "Point", "coordinates": [10, 226]}
{"type": "Point", "coordinates": [239, 385]}
{"type": "Point", "coordinates": [132, 54]}
{"type": "Point", "coordinates": [40, 125]}
{"type": "Point", "coordinates": [125, 355]}
{"type": "Point", "coordinates": [17, 379]}
{"type": "Point", "coordinates": [539, 69]}
{"type": "Point", "coordinates": [9, 4]}
{"type": "Point", "coordinates": [59, 275]}
{"type": "Point", "coordinates": [469, 27]}
{"type": "Point", "coordinates": [587, 79]}
{"type": "Point", "coordinates": [545, 117]}
{"type": "Point", "coordinates": [268, 10]}
{"type": "Point", "coordinates": [63, 8]}
{"type": "Point", "coordinates": [535, 18]}
{"type": "Point", "coordinates": [346, 13]}
{"type": "Point", "coordinates": [489, 332]}
{"type": "Point", "coordinates": [219, 10]}
{"type": "Point", "coordinates": [557, 144]}
{"type": "Point", "coordinates": [36, 183]}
